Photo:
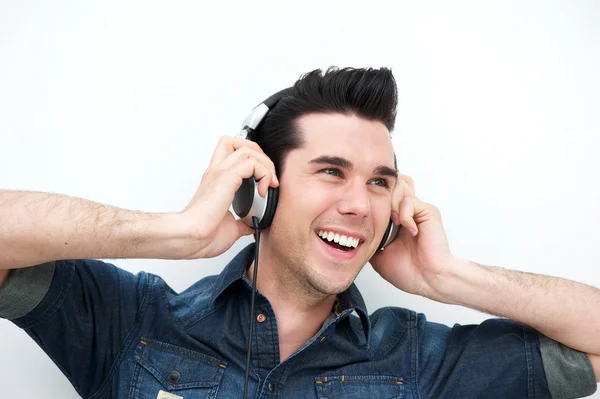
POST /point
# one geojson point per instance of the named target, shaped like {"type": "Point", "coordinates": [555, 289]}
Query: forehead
{"type": "Point", "coordinates": [348, 136]}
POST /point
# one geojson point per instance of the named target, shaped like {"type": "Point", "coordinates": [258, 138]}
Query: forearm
{"type": "Point", "coordinates": [39, 227]}
{"type": "Point", "coordinates": [564, 310]}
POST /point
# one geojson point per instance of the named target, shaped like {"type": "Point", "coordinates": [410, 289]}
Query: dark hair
{"type": "Point", "coordinates": [366, 92]}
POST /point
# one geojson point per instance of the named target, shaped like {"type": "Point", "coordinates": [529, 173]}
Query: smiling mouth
{"type": "Point", "coordinates": [337, 246]}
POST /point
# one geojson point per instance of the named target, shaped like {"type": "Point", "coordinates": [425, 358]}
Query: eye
{"type": "Point", "coordinates": [381, 182]}
{"type": "Point", "coordinates": [332, 172]}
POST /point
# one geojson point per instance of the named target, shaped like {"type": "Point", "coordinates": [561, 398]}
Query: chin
{"type": "Point", "coordinates": [329, 286]}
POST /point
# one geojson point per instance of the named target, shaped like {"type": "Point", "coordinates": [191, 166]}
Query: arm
{"type": "Point", "coordinates": [564, 310]}
{"type": "Point", "coordinates": [40, 227]}
{"type": "Point", "coordinates": [420, 262]}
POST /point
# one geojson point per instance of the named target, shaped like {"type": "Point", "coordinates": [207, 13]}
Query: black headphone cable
{"type": "Point", "coordinates": [249, 353]}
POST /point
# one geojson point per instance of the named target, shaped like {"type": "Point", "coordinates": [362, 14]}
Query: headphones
{"type": "Point", "coordinates": [247, 202]}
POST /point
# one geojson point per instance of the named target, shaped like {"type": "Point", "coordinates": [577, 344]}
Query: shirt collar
{"type": "Point", "coordinates": [348, 301]}
{"type": "Point", "coordinates": [234, 271]}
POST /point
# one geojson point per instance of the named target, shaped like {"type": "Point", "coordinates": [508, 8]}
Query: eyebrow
{"type": "Point", "coordinates": [344, 163]}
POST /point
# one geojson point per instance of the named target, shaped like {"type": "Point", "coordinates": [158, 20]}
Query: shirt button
{"type": "Point", "coordinates": [174, 376]}
{"type": "Point", "coordinates": [271, 387]}
{"type": "Point", "coordinates": [323, 339]}
{"type": "Point", "coordinates": [261, 317]}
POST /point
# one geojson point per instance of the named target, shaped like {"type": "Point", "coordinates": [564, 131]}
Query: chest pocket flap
{"type": "Point", "coordinates": [175, 368]}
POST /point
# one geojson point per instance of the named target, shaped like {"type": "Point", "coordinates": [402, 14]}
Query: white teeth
{"type": "Point", "coordinates": [340, 239]}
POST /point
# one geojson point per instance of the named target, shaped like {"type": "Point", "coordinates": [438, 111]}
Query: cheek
{"type": "Point", "coordinates": [304, 203]}
{"type": "Point", "coordinates": [382, 212]}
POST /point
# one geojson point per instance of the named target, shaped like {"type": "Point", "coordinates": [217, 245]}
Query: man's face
{"type": "Point", "coordinates": [339, 182]}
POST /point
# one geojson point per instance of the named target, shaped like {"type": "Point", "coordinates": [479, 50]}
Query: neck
{"type": "Point", "coordinates": [300, 311]}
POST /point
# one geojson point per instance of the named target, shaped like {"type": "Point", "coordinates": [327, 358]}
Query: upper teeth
{"type": "Point", "coordinates": [342, 240]}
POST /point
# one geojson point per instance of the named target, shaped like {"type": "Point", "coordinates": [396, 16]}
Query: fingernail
{"type": "Point", "coordinates": [395, 218]}
{"type": "Point", "coordinates": [412, 231]}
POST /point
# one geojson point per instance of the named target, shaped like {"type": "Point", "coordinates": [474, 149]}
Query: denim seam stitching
{"type": "Point", "coordinates": [52, 309]}
{"type": "Point", "coordinates": [396, 337]}
{"type": "Point", "coordinates": [186, 319]}
{"type": "Point", "coordinates": [46, 315]}
{"type": "Point", "coordinates": [167, 308]}
{"type": "Point", "coordinates": [55, 305]}
{"type": "Point", "coordinates": [134, 380]}
{"type": "Point", "coordinates": [272, 332]}
{"type": "Point", "coordinates": [127, 342]}
{"type": "Point", "coordinates": [414, 338]}
{"type": "Point", "coordinates": [204, 314]}
{"type": "Point", "coordinates": [528, 356]}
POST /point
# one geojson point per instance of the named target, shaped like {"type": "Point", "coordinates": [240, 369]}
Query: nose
{"type": "Point", "coordinates": [355, 200]}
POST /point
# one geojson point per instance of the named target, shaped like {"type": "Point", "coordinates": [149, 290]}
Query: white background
{"type": "Point", "coordinates": [123, 103]}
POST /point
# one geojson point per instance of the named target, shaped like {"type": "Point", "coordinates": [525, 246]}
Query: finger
{"type": "Point", "coordinates": [409, 183]}
{"type": "Point", "coordinates": [240, 156]}
{"type": "Point", "coordinates": [397, 195]}
{"type": "Point", "coordinates": [244, 168]}
{"type": "Point", "coordinates": [222, 150]}
{"type": "Point", "coordinates": [243, 228]}
{"type": "Point", "coordinates": [401, 190]}
{"type": "Point", "coordinates": [227, 145]}
{"type": "Point", "coordinates": [262, 174]}
{"type": "Point", "coordinates": [264, 183]}
{"type": "Point", "coordinates": [407, 213]}
{"type": "Point", "coordinates": [259, 155]}
{"type": "Point", "coordinates": [238, 227]}
{"type": "Point", "coordinates": [265, 160]}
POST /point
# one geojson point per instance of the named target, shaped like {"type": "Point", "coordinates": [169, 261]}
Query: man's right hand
{"type": "Point", "coordinates": [213, 226]}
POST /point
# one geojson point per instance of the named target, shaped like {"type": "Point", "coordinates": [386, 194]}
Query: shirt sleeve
{"type": "Point", "coordinates": [82, 313]}
{"type": "Point", "coordinates": [569, 371]}
{"type": "Point", "coordinates": [24, 290]}
{"type": "Point", "coordinates": [498, 358]}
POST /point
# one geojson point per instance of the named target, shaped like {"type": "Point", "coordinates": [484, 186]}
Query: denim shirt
{"type": "Point", "coordinates": [119, 335]}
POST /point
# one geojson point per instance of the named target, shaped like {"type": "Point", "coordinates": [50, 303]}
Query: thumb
{"type": "Point", "coordinates": [243, 228]}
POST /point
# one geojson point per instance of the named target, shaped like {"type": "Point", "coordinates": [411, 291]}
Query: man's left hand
{"type": "Point", "coordinates": [416, 260]}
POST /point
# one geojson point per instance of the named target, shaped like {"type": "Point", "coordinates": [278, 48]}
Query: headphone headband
{"type": "Point", "coordinates": [258, 113]}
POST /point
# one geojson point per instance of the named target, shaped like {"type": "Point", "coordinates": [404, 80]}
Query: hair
{"type": "Point", "coordinates": [365, 92]}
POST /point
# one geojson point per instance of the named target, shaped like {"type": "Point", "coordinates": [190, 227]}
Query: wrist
{"type": "Point", "coordinates": [182, 240]}
{"type": "Point", "coordinates": [459, 283]}
{"type": "Point", "coordinates": [161, 236]}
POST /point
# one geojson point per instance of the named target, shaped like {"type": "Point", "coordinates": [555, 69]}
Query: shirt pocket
{"type": "Point", "coordinates": [176, 371]}
{"type": "Point", "coordinates": [359, 387]}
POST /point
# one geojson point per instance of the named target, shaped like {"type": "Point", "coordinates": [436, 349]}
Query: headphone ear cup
{"type": "Point", "coordinates": [244, 198]}
{"type": "Point", "coordinates": [248, 203]}
{"type": "Point", "coordinates": [272, 198]}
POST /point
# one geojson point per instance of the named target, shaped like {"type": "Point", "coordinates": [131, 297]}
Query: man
{"type": "Point", "coordinates": [327, 147]}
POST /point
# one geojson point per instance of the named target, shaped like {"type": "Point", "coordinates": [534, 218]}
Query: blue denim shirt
{"type": "Point", "coordinates": [119, 335]}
